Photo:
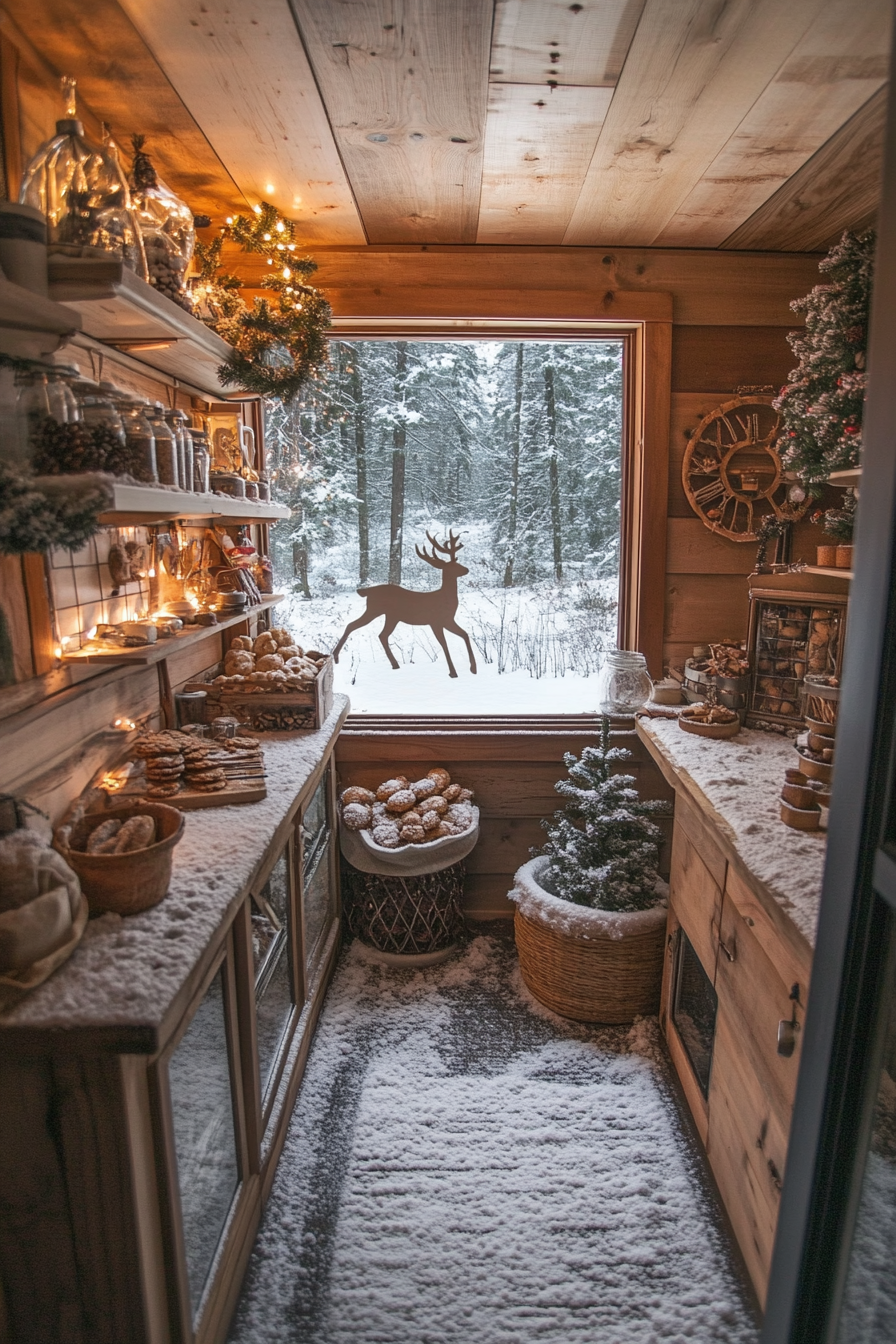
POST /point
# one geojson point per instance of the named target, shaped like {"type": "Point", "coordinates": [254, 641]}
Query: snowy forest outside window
{"type": "Point", "coordinates": [516, 447]}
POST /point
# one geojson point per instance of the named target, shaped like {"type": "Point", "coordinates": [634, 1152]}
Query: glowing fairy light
{"type": "Point", "coordinates": [281, 227]}
{"type": "Point", "coordinates": [257, 209]}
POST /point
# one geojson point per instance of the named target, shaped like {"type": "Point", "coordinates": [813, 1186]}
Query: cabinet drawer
{"type": "Point", "coordinates": [747, 1149]}
{"type": "Point", "coordinates": [756, 999]}
{"type": "Point", "coordinates": [696, 899]}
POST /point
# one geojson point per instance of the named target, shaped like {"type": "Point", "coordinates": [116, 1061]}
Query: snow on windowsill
{"type": "Point", "coordinates": [127, 971]}
{"type": "Point", "coordinates": [741, 777]}
{"type": "Point", "coordinates": [579, 921]}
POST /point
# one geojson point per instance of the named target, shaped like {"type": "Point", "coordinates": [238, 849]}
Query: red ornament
{"type": "Point", "coordinates": [851, 429]}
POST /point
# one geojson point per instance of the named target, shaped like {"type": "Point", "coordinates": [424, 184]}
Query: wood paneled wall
{"type": "Point", "coordinates": [512, 765]}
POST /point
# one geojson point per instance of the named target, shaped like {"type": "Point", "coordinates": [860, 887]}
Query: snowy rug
{"type": "Point", "coordinates": [463, 1166]}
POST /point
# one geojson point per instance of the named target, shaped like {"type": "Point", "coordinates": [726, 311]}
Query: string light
{"type": "Point", "coordinates": [257, 209]}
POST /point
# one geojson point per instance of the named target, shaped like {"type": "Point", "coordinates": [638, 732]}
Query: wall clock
{"type": "Point", "coordinates": [732, 474]}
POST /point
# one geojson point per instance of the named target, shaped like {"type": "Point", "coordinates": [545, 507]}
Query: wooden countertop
{"type": "Point", "coordinates": [734, 784]}
{"type": "Point", "coordinates": [130, 979]}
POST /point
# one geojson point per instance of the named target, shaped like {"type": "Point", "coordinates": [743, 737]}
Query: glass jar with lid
{"type": "Point", "coordinates": [80, 187]}
{"type": "Point", "coordinates": [167, 462]}
{"type": "Point", "coordinates": [41, 395]}
{"type": "Point", "coordinates": [98, 408]}
{"type": "Point", "coordinates": [180, 427]}
{"type": "Point", "coordinates": [201, 462]}
{"type": "Point", "coordinates": [141, 440]}
{"type": "Point", "coordinates": [625, 684]}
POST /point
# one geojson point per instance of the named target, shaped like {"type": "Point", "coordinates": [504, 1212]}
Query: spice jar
{"type": "Point", "coordinates": [166, 444]}
{"type": "Point", "coordinates": [141, 441]}
{"type": "Point", "coordinates": [225, 726]}
{"type": "Point", "coordinates": [625, 683]}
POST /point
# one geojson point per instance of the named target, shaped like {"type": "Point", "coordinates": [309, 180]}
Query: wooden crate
{"type": "Point", "coordinates": [273, 711]}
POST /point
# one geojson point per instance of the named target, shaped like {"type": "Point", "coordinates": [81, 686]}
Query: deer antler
{"type": "Point", "coordinates": [451, 549]}
{"type": "Point", "coordinates": [430, 559]}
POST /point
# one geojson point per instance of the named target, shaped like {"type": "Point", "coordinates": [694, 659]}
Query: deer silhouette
{"type": "Point", "coordinates": [436, 608]}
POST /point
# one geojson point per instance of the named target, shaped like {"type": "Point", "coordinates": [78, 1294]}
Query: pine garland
{"type": "Point", "coordinates": [821, 404]}
{"type": "Point", "coordinates": [279, 345]}
{"type": "Point", "coordinates": [603, 847]}
{"type": "Point", "coordinates": [36, 514]}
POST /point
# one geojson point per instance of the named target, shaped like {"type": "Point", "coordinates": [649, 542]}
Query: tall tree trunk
{"type": "Point", "coordinates": [515, 436]}
{"type": "Point", "coordinates": [361, 473]}
{"type": "Point", "coordinates": [300, 566]}
{"type": "Point", "coordinates": [399, 462]}
{"type": "Point", "coordinates": [554, 469]}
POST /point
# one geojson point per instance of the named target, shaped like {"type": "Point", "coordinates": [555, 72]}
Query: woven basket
{"type": "Point", "coordinates": [405, 915]}
{"type": "Point", "coordinates": [593, 979]}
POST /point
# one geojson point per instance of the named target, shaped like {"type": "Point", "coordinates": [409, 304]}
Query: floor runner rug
{"type": "Point", "coordinates": [464, 1166]}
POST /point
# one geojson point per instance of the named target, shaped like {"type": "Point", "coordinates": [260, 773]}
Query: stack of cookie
{"type": "Point", "coordinates": [404, 813]}
{"type": "Point", "coordinates": [164, 762]}
{"type": "Point", "coordinates": [201, 773]}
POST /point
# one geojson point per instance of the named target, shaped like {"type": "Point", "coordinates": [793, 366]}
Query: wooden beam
{"type": "Point", "coordinates": [837, 66]}
{"type": "Point", "coordinates": [405, 87]}
{"type": "Point", "coordinates": [837, 189]}
{"type": "Point", "coordinates": [121, 82]}
{"type": "Point", "coordinates": [243, 73]}
{"type": "Point", "coordinates": [555, 42]}
{"type": "Point", "coordinates": [538, 144]}
{"type": "Point", "coordinates": [692, 74]}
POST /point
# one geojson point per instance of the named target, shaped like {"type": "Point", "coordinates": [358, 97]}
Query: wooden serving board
{"type": "Point", "coordinates": [245, 784]}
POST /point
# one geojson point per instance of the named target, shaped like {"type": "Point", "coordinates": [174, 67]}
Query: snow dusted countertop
{"type": "Point", "coordinates": [740, 779]}
{"type": "Point", "coordinates": [126, 972]}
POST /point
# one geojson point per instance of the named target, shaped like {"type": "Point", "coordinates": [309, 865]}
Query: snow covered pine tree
{"type": "Point", "coordinates": [821, 403]}
{"type": "Point", "coordinates": [603, 847]}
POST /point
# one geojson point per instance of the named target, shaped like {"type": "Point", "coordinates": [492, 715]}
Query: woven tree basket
{"type": "Point", "coordinates": [597, 978]}
{"type": "Point", "coordinates": [410, 916]}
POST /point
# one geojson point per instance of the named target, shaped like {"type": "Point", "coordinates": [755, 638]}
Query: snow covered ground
{"type": "Point", "coordinates": [463, 1166]}
{"type": "Point", "coordinates": [538, 651]}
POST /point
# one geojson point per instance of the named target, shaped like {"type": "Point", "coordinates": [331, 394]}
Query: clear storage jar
{"type": "Point", "coordinates": [625, 684]}
{"type": "Point", "coordinates": [201, 462]}
{"type": "Point", "coordinates": [180, 428]}
{"type": "Point", "coordinates": [167, 462]}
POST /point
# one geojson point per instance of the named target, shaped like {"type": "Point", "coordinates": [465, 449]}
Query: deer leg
{"type": "Point", "coordinates": [459, 630]}
{"type": "Point", "coordinates": [440, 636]}
{"type": "Point", "coordinates": [384, 640]}
{"type": "Point", "coordinates": [352, 625]}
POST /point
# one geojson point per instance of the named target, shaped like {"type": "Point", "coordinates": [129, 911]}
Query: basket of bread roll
{"type": "Point", "coordinates": [407, 826]}
{"type": "Point", "coordinates": [271, 682]}
{"type": "Point", "coordinates": [123, 856]}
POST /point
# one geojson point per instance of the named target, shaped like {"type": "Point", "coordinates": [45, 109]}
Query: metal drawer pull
{"type": "Point", "coordinates": [730, 952]}
{"type": "Point", "coordinates": [787, 1030]}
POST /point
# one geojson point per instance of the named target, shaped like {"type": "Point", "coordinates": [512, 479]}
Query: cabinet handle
{"type": "Point", "coordinates": [730, 952]}
{"type": "Point", "coordinates": [775, 1175]}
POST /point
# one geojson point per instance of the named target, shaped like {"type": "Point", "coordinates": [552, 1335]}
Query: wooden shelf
{"type": "Point", "coordinates": [118, 308]}
{"type": "Point", "coordinates": [846, 479]}
{"type": "Point", "coordinates": [824, 569]}
{"type": "Point", "coordinates": [141, 504]}
{"type": "Point", "coordinates": [30, 325]}
{"type": "Point", "coordinates": [148, 654]}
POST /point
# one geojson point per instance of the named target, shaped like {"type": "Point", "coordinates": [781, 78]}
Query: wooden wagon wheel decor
{"type": "Point", "coordinates": [732, 474]}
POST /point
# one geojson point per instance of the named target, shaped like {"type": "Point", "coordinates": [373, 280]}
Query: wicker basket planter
{"type": "Point", "coordinates": [409, 916]}
{"type": "Point", "coordinates": [589, 965]}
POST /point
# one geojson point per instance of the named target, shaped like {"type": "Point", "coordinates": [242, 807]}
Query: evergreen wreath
{"type": "Point", "coordinates": [278, 344]}
{"type": "Point", "coordinates": [821, 404]}
{"type": "Point", "coordinates": [603, 846]}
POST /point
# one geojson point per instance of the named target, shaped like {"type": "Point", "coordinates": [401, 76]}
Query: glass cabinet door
{"type": "Point", "coordinates": [204, 1134]}
{"type": "Point", "coordinates": [316, 823]}
{"type": "Point", "coordinates": [273, 962]}
{"type": "Point", "coordinates": [318, 899]}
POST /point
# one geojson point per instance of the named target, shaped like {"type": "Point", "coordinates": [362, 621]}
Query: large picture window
{"type": "Point", "coordinates": [515, 447]}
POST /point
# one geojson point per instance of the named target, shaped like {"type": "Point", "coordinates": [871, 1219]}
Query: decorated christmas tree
{"type": "Point", "coordinates": [603, 846]}
{"type": "Point", "coordinates": [822, 401]}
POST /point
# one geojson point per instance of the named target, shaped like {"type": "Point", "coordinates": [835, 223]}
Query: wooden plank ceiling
{"type": "Point", "coordinates": [735, 124]}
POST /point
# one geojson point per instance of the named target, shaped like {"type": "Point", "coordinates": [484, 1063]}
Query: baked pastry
{"type": "Point", "coordinates": [102, 835]}
{"type": "Point", "coordinates": [424, 788]}
{"type": "Point", "coordinates": [430, 821]}
{"type": "Point", "coordinates": [269, 662]}
{"type": "Point", "coordinates": [357, 816]}
{"type": "Point", "coordinates": [136, 833]}
{"type": "Point", "coordinates": [387, 835]}
{"type": "Point", "coordinates": [390, 786]}
{"type": "Point", "coordinates": [435, 803]}
{"type": "Point", "coordinates": [451, 792]}
{"type": "Point", "coordinates": [242, 642]}
{"type": "Point", "coordinates": [441, 777]}
{"type": "Point", "coordinates": [402, 800]}
{"type": "Point", "coordinates": [355, 794]}
{"type": "Point", "coordinates": [412, 835]}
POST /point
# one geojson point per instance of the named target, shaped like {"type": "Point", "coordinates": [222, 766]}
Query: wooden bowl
{"type": "Point", "coordinates": [820, 727]}
{"type": "Point", "coordinates": [816, 769]}
{"type": "Point", "coordinates": [799, 795]}
{"type": "Point", "coordinates": [818, 741]}
{"type": "Point", "coordinates": [127, 883]}
{"type": "Point", "coordinates": [710, 729]}
{"type": "Point", "coordinates": [799, 818]}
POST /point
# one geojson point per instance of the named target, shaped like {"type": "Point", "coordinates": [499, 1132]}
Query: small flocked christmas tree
{"type": "Point", "coordinates": [821, 404]}
{"type": "Point", "coordinates": [603, 847]}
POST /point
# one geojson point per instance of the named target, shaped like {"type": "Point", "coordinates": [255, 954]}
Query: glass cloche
{"type": "Point", "coordinates": [166, 223]}
{"type": "Point", "coordinates": [81, 188]}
